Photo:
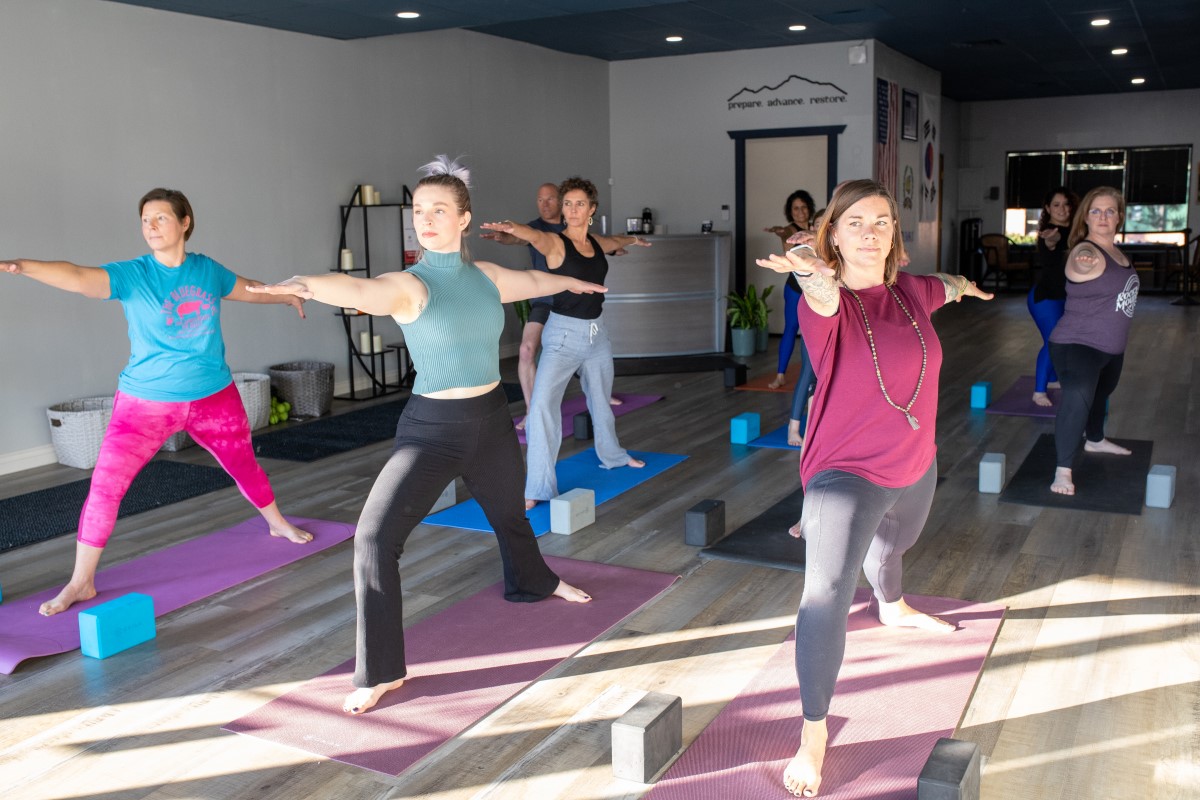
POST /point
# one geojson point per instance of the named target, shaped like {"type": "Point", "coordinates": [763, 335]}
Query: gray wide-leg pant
{"type": "Point", "coordinates": [569, 345]}
{"type": "Point", "coordinates": [849, 521]}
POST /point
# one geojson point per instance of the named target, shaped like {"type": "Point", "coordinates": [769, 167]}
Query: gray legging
{"type": "Point", "coordinates": [848, 521]}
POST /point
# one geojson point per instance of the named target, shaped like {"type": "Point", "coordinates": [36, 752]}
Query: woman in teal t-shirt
{"type": "Point", "coordinates": [176, 378]}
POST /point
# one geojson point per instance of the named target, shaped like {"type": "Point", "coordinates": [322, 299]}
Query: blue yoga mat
{"type": "Point", "coordinates": [580, 471]}
{"type": "Point", "coordinates": [776, 439]}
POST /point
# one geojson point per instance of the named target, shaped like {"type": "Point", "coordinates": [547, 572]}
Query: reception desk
{"type": "Point", "coordinates": [669, 298]}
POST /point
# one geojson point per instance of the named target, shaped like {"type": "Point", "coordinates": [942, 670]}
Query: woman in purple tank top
{"type": "Point", "coordinates": [1088, 344]}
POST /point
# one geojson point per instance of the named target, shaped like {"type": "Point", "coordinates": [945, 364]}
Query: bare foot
{"type": "Point", "coordinates": [361, 700]}
{"type": "Point", "coordinates": [901, 615]}
{"type": "Point", "coordinates": [636, 463]}
{"type": "Point", "coordinates": [69, 596]}
{"type": "Point", "coordinates": [780, 380]}
{"type": "Point", "coordinates": [572, 595]}
{"type": "Point", "coordinates": [795, 439]}
{"type": "Point", "coordinates": [795, 531]}
{"type": "Point", "coordinates": [291, 533]}
{"type": "Point", "coordinates": [802, 777]}
{"type": "Point", "coordinates": [615, 401]}
{"type": "Point", "coordinates": [529, 504]}
{"type": "Point", "coordinates": [1041, 399]}
{"type": "Point", "coordinates": [1062, 481]}
{"type": "Point", "coordinates": [520, 424]}
{"type": "Point", "coordinates": [1105, 446]}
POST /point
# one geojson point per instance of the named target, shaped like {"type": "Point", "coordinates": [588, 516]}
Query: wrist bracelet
{"type": "Point", "coordinates": [801, 275]}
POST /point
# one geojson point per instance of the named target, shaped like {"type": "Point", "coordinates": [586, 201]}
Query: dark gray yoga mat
{"type": "Point", "coordinates": [764, 541]}
{"type": "Point", "coordinates": [328, 436]}
{"type": "Point", "coordinates": [1103, 482]}
{"type": "Point", "coordinates": [46, 513]}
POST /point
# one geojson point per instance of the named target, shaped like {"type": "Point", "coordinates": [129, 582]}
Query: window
{"type": "Point", "coordinates": [1154, 180]}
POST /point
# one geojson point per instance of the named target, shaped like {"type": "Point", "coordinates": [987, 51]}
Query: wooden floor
{"type": "Point", "coordinates": [1091, 690]}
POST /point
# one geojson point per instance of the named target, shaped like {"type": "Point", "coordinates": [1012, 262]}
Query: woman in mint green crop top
{"type": "Point", "coordinates": [455, 424]}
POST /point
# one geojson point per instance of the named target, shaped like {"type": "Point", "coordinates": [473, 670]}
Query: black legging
{"type": "Point", "coordinates": [437, 441]}
{"type": "Point", "coordinates": [1088, 377]}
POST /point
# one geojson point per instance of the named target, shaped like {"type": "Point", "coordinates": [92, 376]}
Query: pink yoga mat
{"type": "Point", "coordinates": [578, 403]}
{"type": "Point", "coordinates": [899, 691]}
{"type": "Point", "coordinates": [174, 577]}
{"type": "Point", "coordinates": [462, 663]}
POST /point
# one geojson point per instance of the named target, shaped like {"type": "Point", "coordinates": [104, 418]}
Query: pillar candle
{"type": "Point", "coordinates": [347, 260]}
{"type": "Point", "coordinates": [378, 344]}
{"type": "Point", "coordinates": [375, 198]}
{"type": "Point", "coordinates": [367, 194]}
{"type": "Point", "coordinates": [364, 342]}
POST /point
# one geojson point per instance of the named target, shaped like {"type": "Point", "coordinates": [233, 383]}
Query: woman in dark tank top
{"type": "Point", "coordinates": [1088, 344]}
{"type": "Point", "coordinates": [574, 340]}
{"type": "Point", "coordinates": [1048, 296]}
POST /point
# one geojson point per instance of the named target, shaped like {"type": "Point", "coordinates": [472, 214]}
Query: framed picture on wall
{"type": "Point", "coordinates": [909, 108]}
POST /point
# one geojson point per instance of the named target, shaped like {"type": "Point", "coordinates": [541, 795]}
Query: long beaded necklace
{"type": "Point", "coordinates": [906, 411]}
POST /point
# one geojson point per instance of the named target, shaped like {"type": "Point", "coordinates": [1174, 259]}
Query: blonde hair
{"type": "Point", "coordinates": [1079, 226]}
{"type": "Point", "coordinates": [844, 196]}
{"type": "Point", "coordinates": [451, 174]}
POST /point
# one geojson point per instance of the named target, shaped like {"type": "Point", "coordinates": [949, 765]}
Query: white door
{"type": "Point", "coordinates": [774, 169]}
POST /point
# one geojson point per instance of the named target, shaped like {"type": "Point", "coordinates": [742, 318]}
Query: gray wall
{"type": "Point", "coordinates": [267, 132]}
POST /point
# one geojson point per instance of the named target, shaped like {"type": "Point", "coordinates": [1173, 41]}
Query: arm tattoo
{"type": "Point", "coordinates": [956, 285]}
{"type": "Point", "coordinates": [821, 288]}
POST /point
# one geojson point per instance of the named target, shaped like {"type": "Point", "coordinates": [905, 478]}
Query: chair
{"type": "Point", "coordinates": [994, 247]}
{"type": "Point", "coordinates": [1184, 269]}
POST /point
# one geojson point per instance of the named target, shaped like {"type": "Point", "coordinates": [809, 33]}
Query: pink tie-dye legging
{"type": "Point", "coordinates": [138, 429]}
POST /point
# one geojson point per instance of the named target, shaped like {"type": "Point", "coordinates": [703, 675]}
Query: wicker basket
{"type": "Point", "coordinates": [307, 385]}
{"type": "Point", "coordinates": [255, 389]}
{"type": "Point", "coordinates": [77, 429]}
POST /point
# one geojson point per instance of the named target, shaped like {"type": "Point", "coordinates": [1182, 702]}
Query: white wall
{"type": "Point", "coordinates": [920, 235]}
{"type": "Point", "coordinates": [267, 132]}
{"type": "Point", "coordinates": [992, 129]}
{"type": "Point", "coordinates": [671, 119]}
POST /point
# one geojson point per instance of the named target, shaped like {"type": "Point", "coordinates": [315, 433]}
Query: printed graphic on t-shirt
{"type": "Point", "coordinates": [189, 312]}
{"type": "Point", "coordinates": [1127, 299]}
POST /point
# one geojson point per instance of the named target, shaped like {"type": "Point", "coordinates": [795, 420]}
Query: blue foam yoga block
{"type": "Point", "coordinates": [117, 625]}
{"type": "Point", "coordinates": [743, 428]}
{"type": "Point", "coordinates": [981, 394]}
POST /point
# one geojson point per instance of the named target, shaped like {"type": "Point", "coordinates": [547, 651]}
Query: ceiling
{"type": "Point", "coordinates": [985, 49]}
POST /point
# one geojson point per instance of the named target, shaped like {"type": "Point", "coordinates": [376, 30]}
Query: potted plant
{"type": "Point", "coordinates": [743, 319]}
{"type": "Point", "coordinates": [761, 334]}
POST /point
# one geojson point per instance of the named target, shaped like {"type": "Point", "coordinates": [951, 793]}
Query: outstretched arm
{"type": "Point", "coordinates": [816, 278]}
{"type": "Point", "coordinates": [242, 294]}
{"type": "Point", "coordinates": [525, 284]}
{"type": "Point", "coordinates": [88, 281]}
{"type": "Point", "coordinates": [548, 244]}
{"type": "Point", "coordinates": [396, 294]}
{"type": "Point", "coordinates": [613, 244]}
{"type": "Point", "coordinates": [958, 287]}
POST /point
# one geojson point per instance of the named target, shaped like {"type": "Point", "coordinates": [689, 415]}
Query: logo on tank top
{"type": "Point", "coordinates": [189, 312]}
{"type": "Point", "coordinates": [1127, 299]}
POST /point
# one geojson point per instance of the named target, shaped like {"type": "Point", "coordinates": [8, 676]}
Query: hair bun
{"type": "Point", "coordinates": [444, 165]}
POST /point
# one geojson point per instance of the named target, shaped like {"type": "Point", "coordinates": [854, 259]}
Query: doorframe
{"type": "Point", "coordinates": [830, 132]}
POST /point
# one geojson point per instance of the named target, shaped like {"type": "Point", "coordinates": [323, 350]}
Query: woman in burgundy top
{"type": "Point", "coordinates": [1088, 344]}
{"type": "Point", "coordinates": [868, 466]}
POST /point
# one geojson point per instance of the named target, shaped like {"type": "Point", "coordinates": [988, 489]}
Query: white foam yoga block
{"type": "Point", "coordinates": [1160, 486]}
{"type": "Point", "coordinates": [991, 473]}
{"type": "Point", "coordinates": [572, 510]}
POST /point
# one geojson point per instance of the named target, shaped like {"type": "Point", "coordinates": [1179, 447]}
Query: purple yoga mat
{"type": "Point", "coordinates": [462, 663]}
{"type": "Point", "coordinates": [898, 692]}
{"type": "Point", "coordinates": [174, 577]}
{"type": "Point", "coordinates": [578, 403]}
{"type": "Point", "coordinates": [1018, 401]}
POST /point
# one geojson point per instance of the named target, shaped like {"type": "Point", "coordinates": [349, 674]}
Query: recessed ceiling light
{"type": "Point", "coordinates": [674, 38]}
{"type": "Point", "coordinates": [797, 27]}
{"type": "Point", "coordinates": [1120, 51]}
{"type": "Point", "coordinates": [1138, 81]}
{"type": "Point", "coordinates": [408, 15]}
{"type": "Point", "coordinates": [1100, 23]}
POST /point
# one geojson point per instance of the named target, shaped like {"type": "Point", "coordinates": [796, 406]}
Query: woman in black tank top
{"type": "Point", "coordinates": [573, 341]}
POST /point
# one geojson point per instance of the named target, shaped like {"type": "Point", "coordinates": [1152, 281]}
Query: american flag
{"type": "Point", "coordinates": [887, 123]}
